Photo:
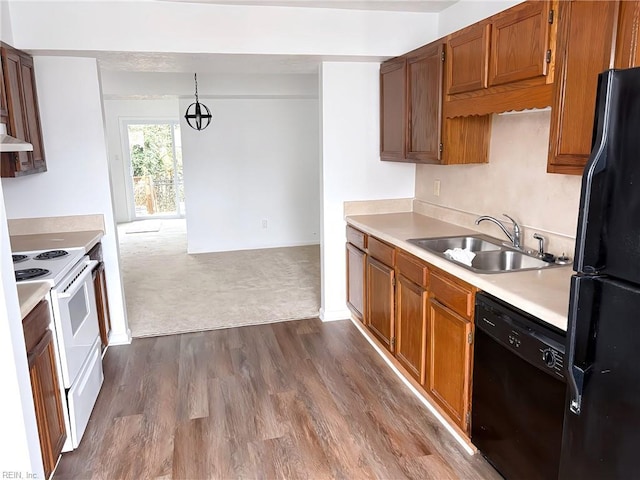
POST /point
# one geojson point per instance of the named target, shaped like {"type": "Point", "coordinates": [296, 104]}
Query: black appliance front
{"type": "Point", "coordinates": [517, 404]}
{"type": "Point", "coordinates": [608, 236]}
{"type": "Point", "coordinates": [602, 420]}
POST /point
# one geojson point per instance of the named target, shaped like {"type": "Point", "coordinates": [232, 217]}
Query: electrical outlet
{"type": "Point", "coordinates": [436, 188]}
{"type": "Point", "coordinates": [265, 223]}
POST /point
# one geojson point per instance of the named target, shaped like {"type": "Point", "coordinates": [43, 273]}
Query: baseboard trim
{"type": "Point", "coordinates": [462, 441]}
{"type": "Point", "coordinates": [333, 315]}
{"type": "Point", "coordinates": [120, 338]}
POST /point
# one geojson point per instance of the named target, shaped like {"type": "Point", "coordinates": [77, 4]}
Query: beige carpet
{"type": "Point", "coordinates": [143, 226]}
{"type": "Point", "coordinates": [168, 291]}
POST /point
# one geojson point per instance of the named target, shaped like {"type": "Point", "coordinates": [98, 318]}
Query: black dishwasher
{"type": "Point", "coordinates": [518, 391]}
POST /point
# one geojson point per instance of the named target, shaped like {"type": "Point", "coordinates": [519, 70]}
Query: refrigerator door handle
{"type": "Point", "coordinates": [577, 375]}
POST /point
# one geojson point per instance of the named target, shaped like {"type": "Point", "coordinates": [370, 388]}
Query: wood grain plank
{"type": "Point", "coordinates": [295, 400]}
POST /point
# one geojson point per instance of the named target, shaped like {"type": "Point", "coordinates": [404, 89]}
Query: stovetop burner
{"type": "Point", "coordinates": [51, 254]}
{"type": "Point", "coordinates": [29, 273]}
{"type": "Point", "coordinates": [19, 258]}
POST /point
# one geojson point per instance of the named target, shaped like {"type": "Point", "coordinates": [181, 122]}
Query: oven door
{"type": "Point", "coordinates": [75, 318]}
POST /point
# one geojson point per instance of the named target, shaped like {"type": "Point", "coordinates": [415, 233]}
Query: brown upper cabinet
{"type": "Point", "coordinates": [4, 110]}
{"type": "Point", "coordinates": [520, 43]}
{"type": "Point", "coordinates": [592, 37]}
{"type": "Point", "coordinates": [424, 106]}
{"type": "Point", "coordinates": [505, 62]}
{"type": "Point", "coordinates": [627, 48]}
{"type": "Point", "coordinates": [23, 116]}
{"type": "Point", "coordinates": [428, 137]}
{"type": "Point", "coordinates": [468, 54]}
{"type": "Point", "coordinates": [393, 87]}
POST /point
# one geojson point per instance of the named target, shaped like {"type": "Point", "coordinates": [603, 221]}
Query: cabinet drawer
{"type": "Point", "coordinates": [381, 251]}
{"type": "Point", "coordinates": [412, 269]}
{"type": "Point", "coordinates": [83, 394]}
{"type": "Point", "coordinates": [356, 237]}
{"type": "Point", "coordinates": [458, 298]}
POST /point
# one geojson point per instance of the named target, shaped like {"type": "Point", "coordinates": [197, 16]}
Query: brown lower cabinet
{"type": "Point", "coordinates": [411, 327]}
{"type": "Point", "coordinates": [104, 319]}
{"type": "Point", "coordinates": [424, 318]}
{"type": "Point", "coordinates": [356, 265]}
{"type": "Point", "coordinates": [100, 287]}
{"type": "Point", "coordinates": [380, 301]}
{"type": "Point", "coordinates": [44, 384]}
{"type": "Point", "coordinates": [449, 351]}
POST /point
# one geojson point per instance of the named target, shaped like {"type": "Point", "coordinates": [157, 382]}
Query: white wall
{"type": "Point", "coordinates": [466, 12]}
{"type": "Point", "coordinates": [116, 112]}
{"type": "Point", "coordinates": [77, 180]}
{"type": "Point", "coordinates": [6, 31]}
{"type": "Point", "coordinates": [19, 445]}
{"type": "Point", "coordinates": [197, 27]}
{"type": "Point", "coordinates": [351, 166]}
{"type": "Point", "coordinates": [158, 85]}
{"type": "Point", "coordinates": [258, 160]}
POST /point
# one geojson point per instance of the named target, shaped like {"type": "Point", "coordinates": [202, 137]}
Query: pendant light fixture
{"type": "Point", "coordinates": [198, 116]}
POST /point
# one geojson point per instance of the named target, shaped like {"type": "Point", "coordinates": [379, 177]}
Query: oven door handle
{"type": "Point", "coordinates": [77, 282]}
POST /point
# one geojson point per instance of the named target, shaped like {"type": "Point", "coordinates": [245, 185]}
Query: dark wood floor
{"type": "Point", "coordinates": [301, 399]}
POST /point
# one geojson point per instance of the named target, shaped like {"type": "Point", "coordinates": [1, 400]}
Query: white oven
{"type": "Point", "coordinates": [75, 326]}
{"type": "Point", "coordinates": [76, 318]}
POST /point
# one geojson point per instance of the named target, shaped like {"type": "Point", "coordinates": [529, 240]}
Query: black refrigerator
{"type": "Point", "coordinates": [601, 435]}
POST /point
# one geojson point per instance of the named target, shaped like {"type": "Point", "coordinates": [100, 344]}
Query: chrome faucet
{"type": "Point", "coordinates": [514, 237]}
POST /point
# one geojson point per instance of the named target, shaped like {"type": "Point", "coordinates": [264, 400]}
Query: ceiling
{"type": "Point", "coordinates": [385, 5]}
{"type": "Point", "coordinates": [213, 63]}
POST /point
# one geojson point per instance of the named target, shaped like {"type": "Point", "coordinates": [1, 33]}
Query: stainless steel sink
{"type": "Point", "coordinates": [506, 260]}
{"type": "Point", "coordinates": [442, 244]}
{"type": "Point", "coordinates": [492, 255]}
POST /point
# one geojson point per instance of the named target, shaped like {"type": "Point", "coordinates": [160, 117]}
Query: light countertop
{"type": "Point", "coordinates": [541, 293]}
{"type": "Point", "coordinates": [30, 294]}
{"type": "Point", "coordinates": [51, 241]}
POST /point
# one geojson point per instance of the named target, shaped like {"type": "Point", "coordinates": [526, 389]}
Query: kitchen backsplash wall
{"type": "Point", "coordinates": [513, 182]}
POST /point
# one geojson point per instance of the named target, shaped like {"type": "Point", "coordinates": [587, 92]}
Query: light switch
{"type": "Point", "coordinates": [436, 188]}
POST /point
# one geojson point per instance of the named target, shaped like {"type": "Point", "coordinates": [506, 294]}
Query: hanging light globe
{"type": "Point", "coordinates": [198, 115]}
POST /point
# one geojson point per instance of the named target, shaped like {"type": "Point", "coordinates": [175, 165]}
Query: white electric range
{"type": "Point", "coordinates": [45, 265]}
{"type": "Point", "coordinates": [74, 326]}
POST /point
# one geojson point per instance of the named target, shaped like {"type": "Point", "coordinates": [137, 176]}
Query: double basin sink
{"type": "Point", "coordinates": [491, 255]}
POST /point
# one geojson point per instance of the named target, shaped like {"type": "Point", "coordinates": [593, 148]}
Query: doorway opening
{"type": "Point", "coordinates": [156, 188]}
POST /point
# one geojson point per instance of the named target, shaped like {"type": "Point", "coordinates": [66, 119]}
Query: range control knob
{"type": "Point", "coordinates": [549, 358]}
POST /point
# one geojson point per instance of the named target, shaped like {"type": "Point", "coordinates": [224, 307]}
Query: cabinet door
{"type": "Point", "coordinates": [449, 358]}
{"type": "Point", "coordinates": [48, 405]}
{"type": "Point", "coordinates": [468, 59]}
{"type": "Point", "coordinates": [424, 86]}
{"type": "Point", "coordinates": [356, 264]}
{"type": "Point", "coordinates": [411, 327]}
{"type": "Point", "coordinates": [393, 108]}
{"type": "Point", "coordinates": [4, 110]}
{"type": "Point", "coordinates": [579, 62]}
{"type": "Point", "coordinates": [31, 111]}
{"type": "Point", "coordinates": [380, 302]}
{"type": "Point", "coordinates": [466, 140]}
{"type": "Point", "coordinates": [627, 49]}
{"type": "Point", "coordinates": [17, 122]}
{"type": "Point", "coordinates": [102, 304]}
{"type": "Point", "coordinates": [519, 43]}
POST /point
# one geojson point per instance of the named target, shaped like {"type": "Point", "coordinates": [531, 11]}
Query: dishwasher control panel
{"type": "Point", "coordinates": [521, 333]}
